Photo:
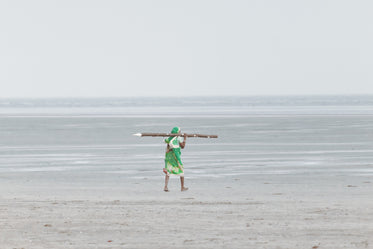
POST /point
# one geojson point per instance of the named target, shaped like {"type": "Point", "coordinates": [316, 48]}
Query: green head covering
{"type": "Point", "coordinates": [175, 130]}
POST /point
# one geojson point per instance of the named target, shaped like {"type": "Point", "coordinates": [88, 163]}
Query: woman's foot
{"type": "Point", "coordinates": [184, 189]}
{"type": "Point", "coordinates": [165, 189]}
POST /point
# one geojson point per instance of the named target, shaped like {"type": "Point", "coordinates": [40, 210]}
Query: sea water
{"type": "Point", "coordinates": [90, 140]}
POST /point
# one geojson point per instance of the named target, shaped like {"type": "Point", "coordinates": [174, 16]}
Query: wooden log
{"type": "Point", "coordinates": [149, 134]}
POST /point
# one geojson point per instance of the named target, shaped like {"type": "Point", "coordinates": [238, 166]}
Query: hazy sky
{"type": "Point", "coordinates": [205, 47]}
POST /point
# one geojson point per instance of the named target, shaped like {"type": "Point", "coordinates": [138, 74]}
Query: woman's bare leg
{"type": "Point", "coordinates": [166, 183]}
{"type": "Point", "coordinates": [183, 188]}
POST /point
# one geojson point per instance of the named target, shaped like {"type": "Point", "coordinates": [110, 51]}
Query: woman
{"type": "Point", "coordinates": [173, 164]}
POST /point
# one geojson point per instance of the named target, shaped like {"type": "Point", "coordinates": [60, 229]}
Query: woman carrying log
{"type": "Point", "coordinates": [173, 164]}
{"type": "Point", "coordinates": [175, 142]}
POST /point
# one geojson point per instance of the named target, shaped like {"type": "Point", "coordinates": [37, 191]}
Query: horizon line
{"type": "Point", "coordinates": [189, 96]}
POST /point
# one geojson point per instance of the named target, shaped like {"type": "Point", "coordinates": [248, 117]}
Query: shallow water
{"type": "Point", "coordinates": [94, 141]}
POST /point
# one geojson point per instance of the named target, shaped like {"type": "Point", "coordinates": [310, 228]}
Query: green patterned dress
{"type": "Point", "coordinates": [173, 163]}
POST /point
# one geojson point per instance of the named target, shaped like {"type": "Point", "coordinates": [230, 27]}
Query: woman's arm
{"type": "Point", "coordinates": [182, 145]}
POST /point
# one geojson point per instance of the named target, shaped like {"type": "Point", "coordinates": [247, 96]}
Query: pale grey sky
{"type": "Point", "coordinates": [71, 48]}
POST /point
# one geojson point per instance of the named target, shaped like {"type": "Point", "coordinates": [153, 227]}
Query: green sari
{"type": "Point", "coordinates": [173, 163]}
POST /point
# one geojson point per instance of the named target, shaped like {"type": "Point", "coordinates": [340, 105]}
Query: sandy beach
{"type": "Point", "coordinates": [268, 212]}
{"type": "Point", "coordinates": [281, 180]}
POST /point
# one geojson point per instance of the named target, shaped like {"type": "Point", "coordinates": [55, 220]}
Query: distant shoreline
{"type": "Point", "coordinates": [265, 100]}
